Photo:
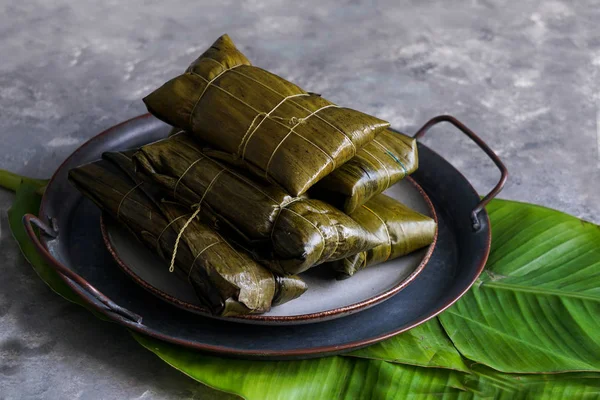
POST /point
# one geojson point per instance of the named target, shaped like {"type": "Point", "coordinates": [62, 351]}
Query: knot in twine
{"type": "Point", "coordinates": [296, 121]}
{"type": "Point", "coordinates": [180, 234]}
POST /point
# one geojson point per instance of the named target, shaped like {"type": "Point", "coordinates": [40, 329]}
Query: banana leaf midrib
{"type": "Point", "coordinates": [537, 290]}
{"type": "Point", "coordinates": [405, 362]}
{"type": "Point", "coordinates": [489, 373]}
{"type": "Point", "coordinates": [541, 348]}
{"type": "Point", "coordinates": [533, 277]}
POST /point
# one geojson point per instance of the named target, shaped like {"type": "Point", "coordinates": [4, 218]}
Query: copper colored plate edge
{"type": "Point", "coordinates": [301, 318]}
{"type": "Point", "coordinates": [140, 328]}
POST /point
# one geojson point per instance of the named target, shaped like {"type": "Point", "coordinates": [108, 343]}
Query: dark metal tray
{"type": "Point", "coordinates": [71, 242]}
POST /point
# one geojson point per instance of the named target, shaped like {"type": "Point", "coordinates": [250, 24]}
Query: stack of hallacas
{"type": "Point", "coordinates": [259, 179]}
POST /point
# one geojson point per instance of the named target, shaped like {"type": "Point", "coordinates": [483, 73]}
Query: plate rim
{"type": "Point", "coordinates": [262, 319]}
{"type": "Point", "coordinates": [140, 328]}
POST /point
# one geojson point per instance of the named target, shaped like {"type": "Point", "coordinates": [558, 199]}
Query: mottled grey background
{"type": "Point", "coordinates": [524, 75]}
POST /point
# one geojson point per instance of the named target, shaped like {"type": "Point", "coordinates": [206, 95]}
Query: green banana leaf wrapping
{"type": "Point", "coordinates": [279, 131]}
{"type": "Point", "coordinates": [299, 233]}
{"type": "Point", "coordinates": [308, 232]}
{"type": "Point", "coordinates": [399, 229]}
{"type": "Point", "coordinates": [226, 279]}
{"type": "Point", "coordinates": [377, 166]}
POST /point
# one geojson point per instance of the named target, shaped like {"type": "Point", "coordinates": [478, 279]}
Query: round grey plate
{"type": "Point", "coordinates": [326, 297]}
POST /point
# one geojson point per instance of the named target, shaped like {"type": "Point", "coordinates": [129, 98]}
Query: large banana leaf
{"type": "Point", "coordinates": [322, 378]}
{"type": "Point", "coordinates": [348, 378]}
{"type": "Point", "coordinates": [395, 367]}
{"type": "Point", "coordinates": [536, 308]}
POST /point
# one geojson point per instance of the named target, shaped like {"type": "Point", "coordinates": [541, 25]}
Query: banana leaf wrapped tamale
{"type": "Point", "coordinates": [309, 232]}
{"type": "Point", "coordinates": [277, 130]}
{"type": "Point", "coordinates": [226, 279]}
{"type": "Point", "coordinates": [298, 233]}
{"type": "Point", "coordinates": [377, 166]}
{"type": "Point", "coordinates": [399, 229]}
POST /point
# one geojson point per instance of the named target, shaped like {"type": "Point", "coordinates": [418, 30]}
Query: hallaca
{"type": "Point", "coordinates": [271, 126]}
{"type": "Point", "coordinates": [226, 279]}
{"type": "Point", "coordinates": [289, 234]}
{"type": "Point", "coordinates": [400, 231]}
{"type": "Point", "coordinates": [377, 166]}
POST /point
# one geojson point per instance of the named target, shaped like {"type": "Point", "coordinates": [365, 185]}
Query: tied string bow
{"type": "Point", "coordinates": [198, 208]}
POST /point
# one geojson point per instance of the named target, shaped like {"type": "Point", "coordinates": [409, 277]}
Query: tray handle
{"type": "Point", "coordinates": [29, 220]}
{"type": "Point", "coordinates": [503, 171]}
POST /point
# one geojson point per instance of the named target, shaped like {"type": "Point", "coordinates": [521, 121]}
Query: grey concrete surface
{"type": "Point", "coordinates": [524, 75]}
